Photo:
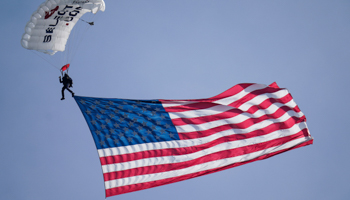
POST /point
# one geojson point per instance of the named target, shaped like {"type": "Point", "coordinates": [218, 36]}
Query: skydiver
{"type": "Point", "coordinates": [67, 83]}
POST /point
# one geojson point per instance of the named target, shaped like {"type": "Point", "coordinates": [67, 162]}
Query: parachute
{"type": "Point", "coordinates": [50, 26]}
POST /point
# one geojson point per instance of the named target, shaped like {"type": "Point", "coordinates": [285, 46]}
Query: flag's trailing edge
{"type": "Point", "coordinates": [148, 143]}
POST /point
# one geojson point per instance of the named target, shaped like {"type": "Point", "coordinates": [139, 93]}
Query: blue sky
{"type": "Point", "coordinates": [151, 49]}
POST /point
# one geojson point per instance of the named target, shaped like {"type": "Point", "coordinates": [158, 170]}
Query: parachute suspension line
{"type": "Point", "coordinates": [78, 44]}
{"type": "Point", "coordinates": [73, 41]}
{"type": "Point", "coordinates": [78, 30]}
{"type": "Point", "coordinates": [65, 54]}
{"type": "Point", "coordinates": [71, 45]}
{"type": "Point", "coordinates": [42, 57]}
{"type": "Point", "coordinates": [76, 38]}
{"type": "Point", "coordinates": [62, 72]}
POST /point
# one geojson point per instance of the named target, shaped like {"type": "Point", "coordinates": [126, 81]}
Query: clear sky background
{"type": "Point", "coordinates": [183, 49]}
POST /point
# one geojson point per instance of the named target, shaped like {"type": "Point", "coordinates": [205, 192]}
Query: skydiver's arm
{"type": "Point", "coordinates": [60, 79]}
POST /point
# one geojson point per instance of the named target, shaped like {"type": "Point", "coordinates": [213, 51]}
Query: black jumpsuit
{"type": "Point", "coordinates": [66, 84]}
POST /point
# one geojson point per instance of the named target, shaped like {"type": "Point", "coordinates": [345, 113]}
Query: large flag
{"type": "Point", "coordinates": [148, 143]}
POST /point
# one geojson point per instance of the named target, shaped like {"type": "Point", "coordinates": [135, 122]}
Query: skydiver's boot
{"type": "Point", "coordinates": [62, 98]}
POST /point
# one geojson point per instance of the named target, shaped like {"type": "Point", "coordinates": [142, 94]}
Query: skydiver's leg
{"type": "Point", "coordinates": [63, 88]}
{"type": "Point", "coordinates": [70, 91]}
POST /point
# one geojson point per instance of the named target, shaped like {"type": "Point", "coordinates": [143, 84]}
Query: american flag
{"type": "Point", "coordinates": [148, 143]}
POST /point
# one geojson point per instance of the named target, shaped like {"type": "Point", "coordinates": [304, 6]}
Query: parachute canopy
{"type": "Point", "coordinates": [49, 27]}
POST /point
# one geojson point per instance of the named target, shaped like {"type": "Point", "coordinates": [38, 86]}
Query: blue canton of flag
{"type": "Point", "coordinates": [119, 122]}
